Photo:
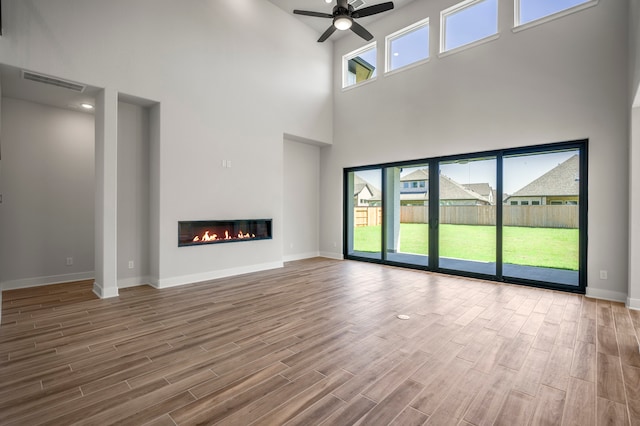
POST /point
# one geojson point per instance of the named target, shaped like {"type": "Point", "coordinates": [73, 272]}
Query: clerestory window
{"type": "Point", "coordinates": [468, 22]}
{"type": "Point", "coordinates": [408, 46]}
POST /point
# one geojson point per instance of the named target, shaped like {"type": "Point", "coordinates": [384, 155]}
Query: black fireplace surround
{"type": "Point", "coordinates": [199, 232]}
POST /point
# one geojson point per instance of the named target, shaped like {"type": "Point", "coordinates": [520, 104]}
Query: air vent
{"type": "Point", "coordinates": [357, 4]}
{"type": "Point", "coordinates": [53, 81]}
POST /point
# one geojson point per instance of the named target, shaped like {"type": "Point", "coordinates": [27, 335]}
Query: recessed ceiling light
{"type": "Point", "coordinates": [396, 54]}
{"type": "Point", "coordinates": [86, 106]}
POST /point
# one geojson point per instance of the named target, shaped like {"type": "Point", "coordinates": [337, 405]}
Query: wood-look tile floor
{"type": "Point", "coordinates": [318, 342]}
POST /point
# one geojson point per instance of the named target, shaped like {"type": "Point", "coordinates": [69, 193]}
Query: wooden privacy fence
{"type": "Point", "coordinates": [527, 216]}
{"type": "Point", "coordinates": [367, 216]}
{"type": "Point", "coordinates": [541, 216]}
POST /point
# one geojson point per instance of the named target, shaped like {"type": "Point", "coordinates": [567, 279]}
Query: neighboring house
{"type": "Point", "coordinates": [559, 186]}
{"type": "Point", "coordinates": [365, 194]}
{"type": "Point", "coordinates": [360, 70]}
{"type": "Point", "coordinates": [414, 191]}
{"type": "Point", "coordinates": [414, 188]}
{"type": "Point", "coordinates": [483, 189]}
{"type": "Point", "coordinates": [454, 194]}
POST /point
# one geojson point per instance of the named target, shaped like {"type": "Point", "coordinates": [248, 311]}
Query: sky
{"type": "Point", "coordinates": [518, 171]}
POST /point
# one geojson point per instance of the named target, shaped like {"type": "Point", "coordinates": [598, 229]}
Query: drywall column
{"type": "Point", "coordinates": [154, 194]}
{"type": "Point", "coordinates": [392, 209]}
{"type": "Point", "coordinates": [106, 284]}
{"type": "Point", "coordinates": [633, 292]}
{"type": "Point", "coordinates": [1, 180]}
{"type": "Point", "coordinates": [348, 223]}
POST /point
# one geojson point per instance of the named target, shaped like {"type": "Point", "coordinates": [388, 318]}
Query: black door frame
{"type": "Point", "coordinates": [434, 212]}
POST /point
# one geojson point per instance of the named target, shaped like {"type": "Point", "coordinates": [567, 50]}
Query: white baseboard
{"type": "Point", "coordinates": [133, 282]}
{"type": "Point", "coordinates": [213, 275]}
{"type": "Point", "coordinates": [300, 256]}
{"type": "Point", "coordinates": [153, 282]}
{"type": "Point", "coordinates": [102, 293]}
{"type": "Point", "coordinates": [331, 255]}
{"type": "Point", "coordinates": [613, 296]}
{"type": "Point", "coordinates": [40, 281]}
{"type": "Point", "coordinates": [633, 304]}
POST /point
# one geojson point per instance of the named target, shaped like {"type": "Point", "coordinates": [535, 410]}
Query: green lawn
{"type": "Point", "coordinates": [545, 247]}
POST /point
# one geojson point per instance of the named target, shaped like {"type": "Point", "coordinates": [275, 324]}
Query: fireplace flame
{"type": "Point", "coordinates": [214, 237]}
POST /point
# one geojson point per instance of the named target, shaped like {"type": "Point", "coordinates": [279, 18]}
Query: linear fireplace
{"type": "Point", "coordinates": [192, 233]}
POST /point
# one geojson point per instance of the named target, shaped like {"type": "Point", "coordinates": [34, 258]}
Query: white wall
{"type": "Point", "coordinates": [634, 49]}
{"type": "Point", "coordinates": [133, 194]}
{"type": "Point", "coordinates": [48, 196]}
{"type": "Point", "coordinates": [301, 200]}
{"type": "Point", "coordinates": [633, 298]}
{"type": "Point", "coordinates": [1, 189]}
{"type": "Point", "coordinates": [564, 80]}
{"type": "Point", "coordinates": [231, 76]}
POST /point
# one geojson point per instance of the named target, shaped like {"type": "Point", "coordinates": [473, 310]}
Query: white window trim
{"type": "Point", "coordinates": [521, 27]}
{"type": "Point", "coordinates": [469, 46]}
{"type": "Point", "coordinates": [407, 67]}
{"type": "Point", "coordinates": [345, 67]}
{"type": "Point", "coordinates": [456, 8]}
{"type": "Point", "coordinates": [391, 37]}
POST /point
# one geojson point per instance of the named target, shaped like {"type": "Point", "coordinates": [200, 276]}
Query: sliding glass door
{"type": "Point", "coordinates": [542, 216]}
{"type": "Point", "coordinates": [515, 215]}
{"type": "Point", "coordinates": [365, 218]}
{"type": "Point", "coordinates": [467, 224]}
{"type": "Point", "coordinates": [407, 214]}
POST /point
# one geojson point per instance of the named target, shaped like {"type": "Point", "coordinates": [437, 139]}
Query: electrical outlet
{"type": "Point", "coordinates": [69, 261]}
{"type": "Point", "coordinates": [131, 264]}
{"type": "Point", "coordinates": [604, 275]}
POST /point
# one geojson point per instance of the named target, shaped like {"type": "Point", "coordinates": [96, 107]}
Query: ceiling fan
{"type": "Point", "coordinates": [343, 18]}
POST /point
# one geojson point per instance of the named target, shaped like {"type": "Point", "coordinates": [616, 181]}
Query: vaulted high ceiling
{"type": "Point", "coordinates": [320, 24]}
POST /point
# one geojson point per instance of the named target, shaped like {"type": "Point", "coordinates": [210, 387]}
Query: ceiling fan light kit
{"type": "Point", "coordinates": [342, 23]}
{"type": "Point", "coordinates": [343, 18]}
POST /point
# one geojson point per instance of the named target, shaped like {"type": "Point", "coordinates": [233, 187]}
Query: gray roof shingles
{"type": "Point", "coordinates": [562, 180]}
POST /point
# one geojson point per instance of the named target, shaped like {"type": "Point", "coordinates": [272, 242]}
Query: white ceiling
{"type": "Point", "coordinates": [321, 24]}
{"type": "Point", "coordinates": [14, 86]}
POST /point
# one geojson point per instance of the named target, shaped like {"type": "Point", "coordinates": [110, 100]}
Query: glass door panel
{"type": "Point", "coordinates": [364, 238]}
{"type": "Point", "coordinates": [467, 222]}
{"type": "Point", "coordinates": [541, 217]}
{"type": "Point", "coordinates": [407, 214]}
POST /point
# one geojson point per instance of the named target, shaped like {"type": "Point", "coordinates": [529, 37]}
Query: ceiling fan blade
{"type": "Point", "coordinates": [327, 34]}
{"type": "Point", "coordinates": [316, 14]}
{"type": "Point", "coordinates": [359, 29]}
{"type": "Point", "coordinates": [372, 10]}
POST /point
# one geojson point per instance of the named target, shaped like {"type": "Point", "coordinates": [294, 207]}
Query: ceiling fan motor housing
{"type": "Point", "coordinates": [342, 11]}
{"type": "Point", "coordinates": [343, 16]}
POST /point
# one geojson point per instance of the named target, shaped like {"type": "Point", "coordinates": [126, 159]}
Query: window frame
{"type": "Point", "coordinates": [399, 34]}
{"type": "Point", "coordinates": [518, 26]}
{"type": "Point", "coordinates": [433, 214]}
{"type": "Point", "coordinates": [452, 11]}
{"type": "Point", "coordinates": [345, 65]}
